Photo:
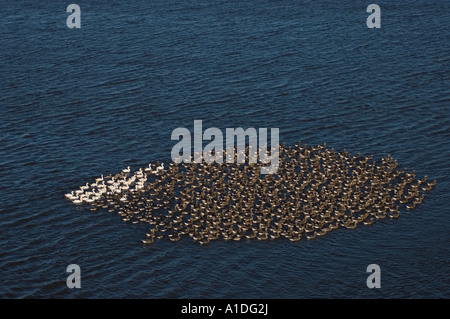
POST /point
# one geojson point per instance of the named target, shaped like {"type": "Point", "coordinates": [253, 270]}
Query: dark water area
{"type": "Point", "coordinates": [77, 103]}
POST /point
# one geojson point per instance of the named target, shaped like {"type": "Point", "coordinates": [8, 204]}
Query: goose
{"type": "Point", "coordinates": [89, 200]}
{"type": "Point", "coordinates": [429, 185]}
{"type": "Point", "coordinates": [237, 237]}
{"type": "Point", "coordinates": [71, 196]}
{"type": "Point", "coordinates": [204, 241]}
{"type": "Point", "coordinates": [419, 200]}
{"type": "Point", "coordinates": [351, 224]}
{"type": "Point", "coordinates": [311, 236]}
{"type": "Point", "coordinates": [262, 236]}
{"type": "Point", "coordinates": [394, 214]}
{"type": "Point", "coordinates": [149, 240]}
{"type": "Point", "coordinates": [251, 235]}
{"type": "Point", "coordinates": [101, 185]}
{"type": "Point", "coordinates": [123, 199]}
{"type": "Point", "coordinates": [315, 191]}
{"type": "Point", "coordinates": [126, 170]}
{"type": "Point", "coordinates": [160, 168]}
{"type": "Point", "coordinates": [321, 232]}
{"type": "Point", "coordinates": [149, 168]}
{"type": "Point", "coordinates": [137, 187]}
{"type": "Point", "coordinates": [174, 237]}
{"type": "Point", "coordinates": [368, 222]}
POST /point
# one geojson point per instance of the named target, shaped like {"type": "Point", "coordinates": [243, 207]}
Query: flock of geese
{"type": "Point", "coordinates": [315, 191]}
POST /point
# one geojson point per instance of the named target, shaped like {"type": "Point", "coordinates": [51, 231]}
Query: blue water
{"type": "Point", "coordinates": [77, 103]}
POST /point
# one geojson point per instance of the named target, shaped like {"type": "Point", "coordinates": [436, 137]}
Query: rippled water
{"type": "Point", "coordinates": [79, 103]}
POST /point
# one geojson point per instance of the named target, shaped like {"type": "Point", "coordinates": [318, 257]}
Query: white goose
{"type": "Point", "coordinates": [89, 200]}
{"type": "Point", "coordinates": [126, 170]}
{"type": "Point", "coordinates": [139, 186]}
{"type": "Point", "coordinates": [71, 196]}
{"type": "Point", "coordinates": [79, 200]}
{"type": "Point", "coordinates": [158, 169]}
